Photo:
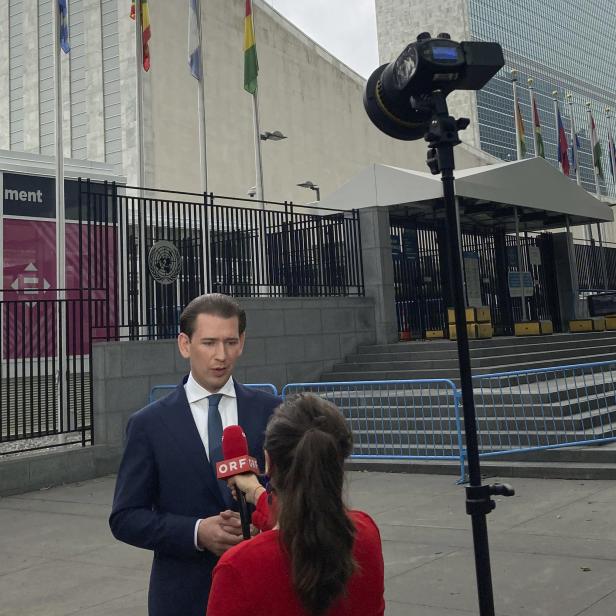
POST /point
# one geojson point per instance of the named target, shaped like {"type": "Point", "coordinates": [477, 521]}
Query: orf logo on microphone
{"type": "Point", "coordinates": [236, 466]}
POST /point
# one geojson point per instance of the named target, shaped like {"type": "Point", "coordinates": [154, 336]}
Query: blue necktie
{"type": "Point", "coordinates": [214, 436]}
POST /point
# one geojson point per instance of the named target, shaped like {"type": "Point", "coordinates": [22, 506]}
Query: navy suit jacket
{"type": "Point", "coordinates": [165, 484]}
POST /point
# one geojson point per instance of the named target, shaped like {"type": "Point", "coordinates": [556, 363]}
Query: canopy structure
{"type": "Point", "coordinates": [488, 196]}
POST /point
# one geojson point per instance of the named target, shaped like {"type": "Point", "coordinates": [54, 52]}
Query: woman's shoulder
{"type": "Point", "coordinates": [363, 522]}
{"type": "Point", "coordinates": [367, 533]}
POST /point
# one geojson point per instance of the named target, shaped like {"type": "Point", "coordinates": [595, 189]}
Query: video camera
{"type": "Point", "coordinates": [397, 97]}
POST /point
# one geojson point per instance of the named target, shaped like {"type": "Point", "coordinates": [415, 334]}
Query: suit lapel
{"type": "Point", "coordinates": [180, 424]}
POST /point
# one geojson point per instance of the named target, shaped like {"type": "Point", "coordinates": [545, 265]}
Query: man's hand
{"type": "Point", "coordinates": [220, 532]}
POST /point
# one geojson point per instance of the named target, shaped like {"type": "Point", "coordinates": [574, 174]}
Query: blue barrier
{"type": "Point", "coordinates": [545, 408]}
{"type": "Point", "coordinates": [517, 411]}
{"type": "Point", "coordinates": [268, 387]}
{"type": "Point", "coordinates": [399, 420]}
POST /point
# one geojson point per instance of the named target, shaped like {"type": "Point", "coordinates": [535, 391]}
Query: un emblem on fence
{"type": "Point", "coordinates": [164, 262]}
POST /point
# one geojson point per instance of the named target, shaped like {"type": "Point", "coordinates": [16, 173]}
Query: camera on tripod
{"type": "Point", "coordinates": [398, 96]}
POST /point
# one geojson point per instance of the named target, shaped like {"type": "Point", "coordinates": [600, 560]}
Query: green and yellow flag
{"type": "Point", "coordinates": [519, 123]}
{"type": "Point", "coordinates": [251, 65]}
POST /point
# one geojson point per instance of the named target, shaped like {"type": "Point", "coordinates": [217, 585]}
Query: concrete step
{"type": "Point", "coordinates": [347, 372]}
{"type": "Point", "coordinates": [500, 341]}
{"type": "Point", "coordinates": [549, 357]}
{"type": "Point", "coordinates": [566, 349]}
{"type": "Point", "coordinates": [408, 442]}
{"type": "Point", "coordinates": [491, 468]}
{"type": "Point", "coordinates": [380, 422]}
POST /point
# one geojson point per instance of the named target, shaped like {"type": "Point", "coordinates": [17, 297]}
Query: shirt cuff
{"type": "Point", "coordinates": [195, 537]}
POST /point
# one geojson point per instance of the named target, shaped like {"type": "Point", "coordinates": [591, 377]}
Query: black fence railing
{"type": "Point", "coordinates": [45, 393]}
{"type": "Point", "coordinates": [596, 266]}
{"type": "Point", "coordinates": [155, 253]}
{"type": "Point", "coordinates": [423, 287]}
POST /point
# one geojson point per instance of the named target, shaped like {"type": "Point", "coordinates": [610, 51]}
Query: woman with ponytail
{"type": "Point", "coordinates": [319, 558]}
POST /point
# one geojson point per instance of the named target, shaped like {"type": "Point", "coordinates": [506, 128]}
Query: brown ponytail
{"type": "Point", "coordinates": [307, 441]}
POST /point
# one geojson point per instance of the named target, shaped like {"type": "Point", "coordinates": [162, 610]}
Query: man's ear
{"type": "Point", "coordinates": [184, 345]}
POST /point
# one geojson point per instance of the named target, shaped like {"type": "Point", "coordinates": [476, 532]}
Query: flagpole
{"type": "Point", "coordinates": [595, 163]}
{"type": "Point", "coordinates": [555, 100]}
{"type": "Point", "coordinates": [60, 224]}
{"type": "Point", "coordinates": [518, 137]}
{"type": "Point", "coordinates": [139, 85]}
{"type": "Point", "coordinates": [258, 159]}
{"type": "Point", "coordinates": [610, 144]}
{"type": "Point", "coordinates": [569, 98]}
{"type": "Point", "coordinates": [201, 103]}
{"type": "Point", "coordinates": [531, 95]}
{"type": "Point", "coordinates": [516, 109]}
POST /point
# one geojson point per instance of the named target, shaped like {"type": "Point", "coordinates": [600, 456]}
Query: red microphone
{"type": "Point", "coordinates": [237, 461]}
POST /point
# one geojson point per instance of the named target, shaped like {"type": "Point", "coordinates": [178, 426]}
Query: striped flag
{"type": "Point", "coordinates": [251, 65]}
{"type": "Point", "coordinates": [520, 126]}
{"type": "Point", "coordinates": [194, 40]}
{"type": "Point", "coordinates": [64, 42]}
{"type": "Point", "coordinates": [145, 29]}
{"type": "Point", "coordinates": [596, 148]}
{"type": "Point", "coordinates": [563, 146]}
{"type": "Point", "coordinates": [537, 128]}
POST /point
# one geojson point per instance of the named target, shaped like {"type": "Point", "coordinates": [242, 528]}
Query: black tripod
{"type": "Point", "coordinates": [442, 136]}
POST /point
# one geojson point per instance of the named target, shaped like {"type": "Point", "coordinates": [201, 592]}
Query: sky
{"type": "Point", "coordinates": [346, 28]}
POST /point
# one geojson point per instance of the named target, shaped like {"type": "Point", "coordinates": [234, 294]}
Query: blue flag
{"type": "Point", "coordinates": [64, 43]}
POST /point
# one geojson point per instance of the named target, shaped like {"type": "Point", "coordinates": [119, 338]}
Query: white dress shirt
{"type": "Point", "coordinates": [198, 402]}
{"type": "Point", "coordinates": [197, 399]}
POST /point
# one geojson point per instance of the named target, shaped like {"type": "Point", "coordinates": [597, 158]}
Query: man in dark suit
{"type": "Point", "coordinates": [167, 497]}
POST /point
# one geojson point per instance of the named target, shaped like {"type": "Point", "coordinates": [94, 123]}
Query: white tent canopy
{"type": "Point", "coordinates": [488, 194]}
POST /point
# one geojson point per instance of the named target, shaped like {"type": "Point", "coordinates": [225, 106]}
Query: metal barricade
{"type": "Point", "coordinates": [403, 420]}
{"type": "Point", "coordinates": [158, 391]}
{"type": "Point", "coordinates": [545, 408]}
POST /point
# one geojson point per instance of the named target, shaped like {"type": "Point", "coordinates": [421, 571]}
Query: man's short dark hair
{"type": "Point", "coordinates": [215, 304]}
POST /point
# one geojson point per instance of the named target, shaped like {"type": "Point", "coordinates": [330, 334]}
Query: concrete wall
{"type": "Point", "coordinates": [288, 340]}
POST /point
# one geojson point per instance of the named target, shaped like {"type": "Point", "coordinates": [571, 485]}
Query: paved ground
{"type": "Point", "coordinates": [553, 549]}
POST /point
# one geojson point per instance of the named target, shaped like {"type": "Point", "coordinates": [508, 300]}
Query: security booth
{"type": "Point", "coordinates": [515, 220]}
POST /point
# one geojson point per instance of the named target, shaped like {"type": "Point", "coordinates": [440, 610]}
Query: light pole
{"type": "Point", "coordinates": [312, 186]}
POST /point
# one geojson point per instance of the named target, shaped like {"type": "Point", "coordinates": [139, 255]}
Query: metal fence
{"type": "Point", "coordinates": [155, 253]}
{"type": "Point", "coordinates": [45, 388]}
{"type": "Point", "coordinates": [159, 391]}
{"type": "Point", "coordinates": [422, 281]}
{"type": "Point", "coordinates": [545, 408]}
{"type": "Point", "coordinates": [596, 266]}
{"type": "Point", "coordinates": [404, 420]}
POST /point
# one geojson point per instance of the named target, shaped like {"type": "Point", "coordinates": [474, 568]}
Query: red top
{"type": "Point", "coordinates": [254, 577]}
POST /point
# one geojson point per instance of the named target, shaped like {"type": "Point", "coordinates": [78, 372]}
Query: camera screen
{"type": "Point", "coordinates": [444, 53]}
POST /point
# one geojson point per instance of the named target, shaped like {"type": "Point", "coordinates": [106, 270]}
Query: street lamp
{"type": "Point", "coordinates": [273, 136]}
{"type": "Point", "coordinates": [311, 186]}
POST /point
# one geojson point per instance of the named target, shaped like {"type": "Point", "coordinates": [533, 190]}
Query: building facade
{"type": "Point", "coordinates": [562, 46]}
{"type": "Point", "coordinates": [304, 91]}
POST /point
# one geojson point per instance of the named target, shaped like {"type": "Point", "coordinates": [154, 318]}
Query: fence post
{"type": "Point", "coordinates": [457, 398]}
